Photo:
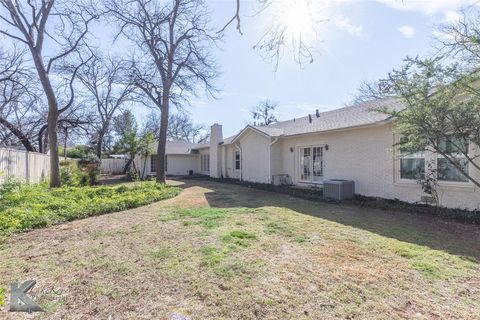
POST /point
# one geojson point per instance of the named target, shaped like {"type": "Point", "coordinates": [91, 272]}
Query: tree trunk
{"type": "Point", "coordinates": [65, 145]}
{"type": "Point", "coordinates": [41, 143]}
{"type": "Point", "coordinates": [100, 144]}
{"type": "Point", "coordinates": [52, 119]}
{"type": "Point", "coordinates": [162, 141]}
{"type": "Point", "coordinates": [19, 134]}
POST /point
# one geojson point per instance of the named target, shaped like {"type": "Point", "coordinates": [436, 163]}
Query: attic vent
{"type": "Point", "coordinates": [317, 113]}
{"type": "Point", "coordinates": [310, 118]}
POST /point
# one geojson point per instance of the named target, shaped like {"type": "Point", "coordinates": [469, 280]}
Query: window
{"type": "Point", "coordinates": [456, 149]}
{"type": "Point", "coordinates": [305, 164]}
{"type": "Point", "coordinates": [412, 166]}
{"type": "Point", "coordinates": [311, 164]}
{"type": "Point", "coordinates": [153, 163]}
{"type": "Point", "coordinates": [237, 160]}
{"type": "Point", "coordinates": [317, 163]}
{"type": "Point", "coordinates": [205, 162]}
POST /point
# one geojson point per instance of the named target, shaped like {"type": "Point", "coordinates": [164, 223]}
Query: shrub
{"type": "Point", "coordinates": [35, 206]}
{"type": "Point", "coordinates": [90, 170]}
{"type": "Point", "coordinates": [79, 152]}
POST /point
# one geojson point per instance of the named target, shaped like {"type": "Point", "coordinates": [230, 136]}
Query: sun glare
{"type": "Point", "coordinates": [297, 16]}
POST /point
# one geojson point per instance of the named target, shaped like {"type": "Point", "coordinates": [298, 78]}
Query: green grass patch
{"type": "Point", "coordinates": [205, 216]}
{"type": "Point", "coordinates": [3, 296]}
{"type": "Point", "coordinates": [161, 254]}
{"type": "Point", "coordinates": [239, 237]}
{"type": "Point", "coordinates": [299, 239]}
{"type": "Point", "coordinates": [281, 228]}
{"type": "Point", "coordinates": [432, 263]}
{"type": "Point", "coordinates": [211, 256]}
{"type": "Point", "coordinates": [36, 206]}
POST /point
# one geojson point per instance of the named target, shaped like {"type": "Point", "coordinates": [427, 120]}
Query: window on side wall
{"type": "Point", "coordinates": [412, 165]}
{"type": "Point", "coordinates": [205, 162]}
{"type": "Point", "coordinates": [153, 163]}
{"type": "Point", "coordinates": [456, 149]}
{"type": "Point", "coordinates": [237, 160]}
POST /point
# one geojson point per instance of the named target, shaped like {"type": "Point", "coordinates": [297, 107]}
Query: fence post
{"type": "Point", "coordinates": [9, 163]}
{"type": "Point", "coordinates": [27, 167]}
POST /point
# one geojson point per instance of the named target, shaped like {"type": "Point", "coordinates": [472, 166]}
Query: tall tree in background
{"type": "Point", "coordinates": [21, 114]}
{"type": "Point", "coordinates": [263, 113]}
{"type": "Point", "coordinates": [174, 42]}
{"type": "Point", "coordinates": [180, 127]}
{"type": "Point", "coordinates": [63, 26]}
{"type": "Point", "coordinates": [109, 89]}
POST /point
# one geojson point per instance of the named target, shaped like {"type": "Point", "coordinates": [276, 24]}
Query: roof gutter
{"type": "Point", "coordinates": [375, 124]}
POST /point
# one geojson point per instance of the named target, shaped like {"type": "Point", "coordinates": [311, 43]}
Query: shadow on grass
{"type": "Point", "coordinates": [433, 232]}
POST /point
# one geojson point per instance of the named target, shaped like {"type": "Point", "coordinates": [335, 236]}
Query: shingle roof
{"type": "Point", "coordinates": [229, 139]}
{"type": "Point", "coordinates": [180, 147]}
{"type": "Point", "coordinates": [352, 116]}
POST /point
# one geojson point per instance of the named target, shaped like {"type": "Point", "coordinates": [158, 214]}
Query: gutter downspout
{"type": "Point", "coordinates": [270, 159]}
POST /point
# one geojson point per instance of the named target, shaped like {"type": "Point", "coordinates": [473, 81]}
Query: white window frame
{"type": "Point", "coordinates": [454, 182]}
{"type": "Point", "coordinates": [205, 162]}
{"type": "Point", "coordinates": [430, 155]}
{"type": "Point", "coordinates": [300, 167]}
{"type": "Point", "coordinates": [235, 152]}
{"type": "Point", "coordinates": [417, 155]}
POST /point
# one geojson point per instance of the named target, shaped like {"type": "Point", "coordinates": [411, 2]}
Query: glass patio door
{"type": "Point", "coordinates": [311, 164]}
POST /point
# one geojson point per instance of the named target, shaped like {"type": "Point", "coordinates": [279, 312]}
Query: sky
{"type": "Point", "coordinates": [355, 41]}
{"type": "Point", "coordinates": [360, 40]}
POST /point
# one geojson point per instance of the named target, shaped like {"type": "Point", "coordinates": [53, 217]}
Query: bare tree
{"type": "Point", "coordinates": [109, 89]}
{"type": "Point", "coordinates": [180, 127]}
{"type": "Point", "coordinates": [63, 25]}
{"type": "Point", "coordinates": [262, 113]}
{"type": "Point", "coordinates": [20, 112]}
{"type": "Point", "coordinates": [279, 36]}
{"type": "Point", "coordinates": [460, 39]}
{"type": "Point", "coordinates": [174, 40]}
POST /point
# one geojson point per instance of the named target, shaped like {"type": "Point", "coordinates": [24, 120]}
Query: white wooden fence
{"type": "Point", "coordinates": [32, 167]}
{"type": "Point", "coordinates": [113, 166]}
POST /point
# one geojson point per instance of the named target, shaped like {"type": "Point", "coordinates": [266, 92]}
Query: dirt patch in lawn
{"type": "Point", "coordinates": [220, 251]}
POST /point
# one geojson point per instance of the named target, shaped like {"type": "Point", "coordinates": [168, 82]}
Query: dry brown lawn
{"type": "Point", "coordinates": [220, 251]}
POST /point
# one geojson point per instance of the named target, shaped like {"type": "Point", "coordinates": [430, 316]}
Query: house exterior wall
{"type": "Point", "coordinates": [228, 164]}
{"type": "Point", "coordinates": [255, 157]}
{"type": "Point", "coordinates": [177, 165]}
{"type": "Point", "coordinates": [366, 156]}
{"type": "Point", "coordinates": [180, 165]}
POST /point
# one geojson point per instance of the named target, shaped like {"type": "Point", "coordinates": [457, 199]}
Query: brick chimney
{"type": "Point", "coordinates": [216, 137]}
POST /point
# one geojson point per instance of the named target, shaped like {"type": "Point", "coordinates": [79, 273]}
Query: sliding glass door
{"type": "Point", "coordinates": [311, 164]}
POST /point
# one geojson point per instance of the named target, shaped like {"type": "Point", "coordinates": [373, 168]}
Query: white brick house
{"type": "Point", "coordinates": [354, 143]}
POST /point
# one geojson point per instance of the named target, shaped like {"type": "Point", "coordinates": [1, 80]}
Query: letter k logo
{"type": "Point", "coordinates": [19, 301]}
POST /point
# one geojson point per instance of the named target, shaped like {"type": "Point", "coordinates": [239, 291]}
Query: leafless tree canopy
{"type": "Point", "coordinates": [62, 26]}
{"type": "Point", "coordinates": [108, 89]}
{"type": "Point", "coordinates": [263, 113]}
{"type": "Point", "coordinates": [173, 42]}
{"type": "Point", "coordinates": [21, 111]}
{"type": "Point", "coordinates": [461, 39]}
{"type": "Point", "coordinates": [180, 128]}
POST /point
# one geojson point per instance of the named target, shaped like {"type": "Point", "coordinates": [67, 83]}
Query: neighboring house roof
{"type": "Point", "coordinates": [349, 117]}
{"type": "Point", "coordinates": [181, 147]}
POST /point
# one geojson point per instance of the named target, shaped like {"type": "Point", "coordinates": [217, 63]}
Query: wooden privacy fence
{"type": "Point", "coordinates": [113, 166]}
{"type": "Point", "coordinates": [32, 167]}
